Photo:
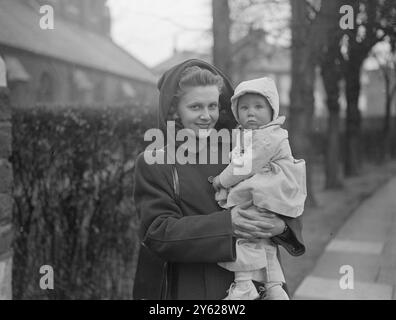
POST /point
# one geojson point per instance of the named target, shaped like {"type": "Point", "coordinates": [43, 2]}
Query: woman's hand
{"type": "Point", "coordinates": [278, 223]}
{"type": "Point", "coordinates": [250, 222]}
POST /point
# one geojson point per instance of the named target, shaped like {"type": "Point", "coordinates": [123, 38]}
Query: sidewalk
{"type": "Point", "coordinates": [367, 243]}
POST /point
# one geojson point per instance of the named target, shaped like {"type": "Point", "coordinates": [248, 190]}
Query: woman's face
{"type": "Point", "coordinates": [198, 108]}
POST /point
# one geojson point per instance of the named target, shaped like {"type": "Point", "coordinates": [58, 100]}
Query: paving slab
{"type": "Point", "coordinates": [366, 229]}
{"type": "Point", "coordinates": [366, 267]}
{"type": "Point", "coordinates": [316, 288]}
{"type": "Point", "coordinates": [353, 246]}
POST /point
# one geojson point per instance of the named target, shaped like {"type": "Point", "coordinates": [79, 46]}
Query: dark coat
{"type": "Point", "coordinates": [195, 234]}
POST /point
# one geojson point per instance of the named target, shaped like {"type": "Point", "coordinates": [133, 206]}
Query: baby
{"type": "Point", "coordinates": [262, 170]}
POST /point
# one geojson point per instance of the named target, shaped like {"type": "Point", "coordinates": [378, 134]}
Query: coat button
{"type": "Point", "coordinates": [210, 179]}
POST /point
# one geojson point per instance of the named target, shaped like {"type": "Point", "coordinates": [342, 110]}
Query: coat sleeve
{"type": "Point", "coordinates": [166, 231]}
{"type": "Point", "coordinates": [291, 240]}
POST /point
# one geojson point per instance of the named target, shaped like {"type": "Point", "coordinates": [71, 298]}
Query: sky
{"type": "Point", "coordinates": [150, 29]}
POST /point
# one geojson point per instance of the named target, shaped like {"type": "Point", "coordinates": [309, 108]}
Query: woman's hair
{"type": "Point", "coordinates": [193, 77]}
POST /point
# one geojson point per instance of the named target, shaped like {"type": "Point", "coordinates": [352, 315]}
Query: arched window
{"type": "Point", "coordinates": [45, 91]}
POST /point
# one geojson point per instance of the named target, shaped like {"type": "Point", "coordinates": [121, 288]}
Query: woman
{"type": "Point", "coordinates": [191, 232]}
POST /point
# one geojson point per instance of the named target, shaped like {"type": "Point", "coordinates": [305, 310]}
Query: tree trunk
{"type": "Point", "coordinates": [353, 155]}
{"type": "Point", "coordinates": [221, 36]}
{"type": "Point", "coordinates": [333, 179]}
{"type": "Point", "coordinates": [388, 117]}
{"type": "Point", "coordinates": [331, 75]}
{"type": "Point", "coordinates": [301, 118]}
{"type": "Point", "coordinates": [331, 82]}
{"type": "Point", "coordinates": [301, 95]}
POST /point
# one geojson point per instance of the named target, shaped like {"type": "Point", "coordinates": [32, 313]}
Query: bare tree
{"type": "Point", "coordinates": [386, 59]}
{"type": "Point", "coordinates": [373, 21]}
{"type": "Point", "coordinates": [342, 57]}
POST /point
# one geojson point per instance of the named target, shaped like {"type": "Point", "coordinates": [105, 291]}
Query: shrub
{"type": "Point", "coordinates": [73, 173]}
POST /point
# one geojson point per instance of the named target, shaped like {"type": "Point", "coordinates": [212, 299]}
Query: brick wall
{"type": "Point", "coordinates": [6, 201]}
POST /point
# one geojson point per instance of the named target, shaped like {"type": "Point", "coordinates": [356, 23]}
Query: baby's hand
{"type": "Point", "coordinates": [216, 183]}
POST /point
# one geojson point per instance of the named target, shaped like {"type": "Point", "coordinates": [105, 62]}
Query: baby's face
{"type": "Point", "coordinates": [254, 111]}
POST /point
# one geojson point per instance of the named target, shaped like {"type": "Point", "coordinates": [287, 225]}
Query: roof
{"type": "Point", "coordinates": [15, 69]}
{"type": "Point", "coordinates": [20, 28]}
{"type": "Point", "coordinates": [261, 55]}
{"type": "Point", "coordinates": [179, 57]}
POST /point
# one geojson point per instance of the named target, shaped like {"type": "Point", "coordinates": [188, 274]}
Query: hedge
{"type": "Point", "coordinates": [73, 173]}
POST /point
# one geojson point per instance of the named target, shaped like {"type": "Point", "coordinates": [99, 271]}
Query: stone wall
{"type": "Point", "coordinates": [6, 200]}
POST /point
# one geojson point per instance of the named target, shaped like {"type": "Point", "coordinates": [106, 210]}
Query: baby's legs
{"type": "Point", "coordinates": [275, 277]}
{"type": "Point", "coordinates": [249, 266]}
